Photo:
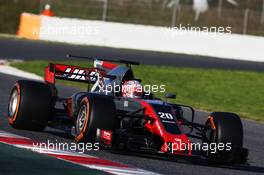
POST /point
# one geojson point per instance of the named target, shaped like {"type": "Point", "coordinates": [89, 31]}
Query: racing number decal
{"type": "Point", "coordinates": [165, 115]}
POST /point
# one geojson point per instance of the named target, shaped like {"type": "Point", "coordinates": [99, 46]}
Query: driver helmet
{"type": "Point", "coordinates": [47, 7]}
{"type": "Point", "coordinates": [132, 89]}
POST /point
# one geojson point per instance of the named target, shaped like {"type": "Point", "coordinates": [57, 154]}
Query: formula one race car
{"type": "Point", "coordinates": [118, 114]}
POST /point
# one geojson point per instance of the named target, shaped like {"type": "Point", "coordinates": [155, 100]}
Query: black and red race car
{"type": "Point", "coordinates": [126, 119]}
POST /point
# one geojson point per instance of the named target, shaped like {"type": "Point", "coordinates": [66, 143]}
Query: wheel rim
{"type": "Point", "coordinates": [13, 103]}
{"type": "Point", "coordinates": [81, 119]}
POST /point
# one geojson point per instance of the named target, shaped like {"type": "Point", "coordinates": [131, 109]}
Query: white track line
{"type": "Point", "coordinates": [5, 69]}
{"type": "Point", "coordinates": [99, 164]}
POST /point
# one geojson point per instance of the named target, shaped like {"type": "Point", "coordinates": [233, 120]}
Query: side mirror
{"type": "Point", "coordinates": [170, 95]}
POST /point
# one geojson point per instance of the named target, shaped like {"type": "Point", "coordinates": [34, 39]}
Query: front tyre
{"type": "Point", "coordinates": [225, 128]}
{"type": "Point", "coordinates": [29, 105]}
{"type": "Point", "coordinates": [95, 112]}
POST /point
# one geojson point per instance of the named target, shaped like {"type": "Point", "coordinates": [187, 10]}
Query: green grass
{"type": "Point", "coordinates": [206, 89]}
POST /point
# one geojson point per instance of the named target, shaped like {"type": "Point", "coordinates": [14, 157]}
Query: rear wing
{"type": "Point", "coordinates": [72, 73]}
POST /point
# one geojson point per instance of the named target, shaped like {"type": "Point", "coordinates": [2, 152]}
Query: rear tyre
{"type": "Point", "coordinates": [29, 105]}
{"type": "Point", "coordinates": [95, 112]}
{"type": "Point", "coordinates": [226, 128]}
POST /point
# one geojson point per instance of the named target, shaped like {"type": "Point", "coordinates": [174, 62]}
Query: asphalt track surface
{"type": "Point", "coordinates": [254, 133]}
{"type": "Point", "coordinates": [11, 48]}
